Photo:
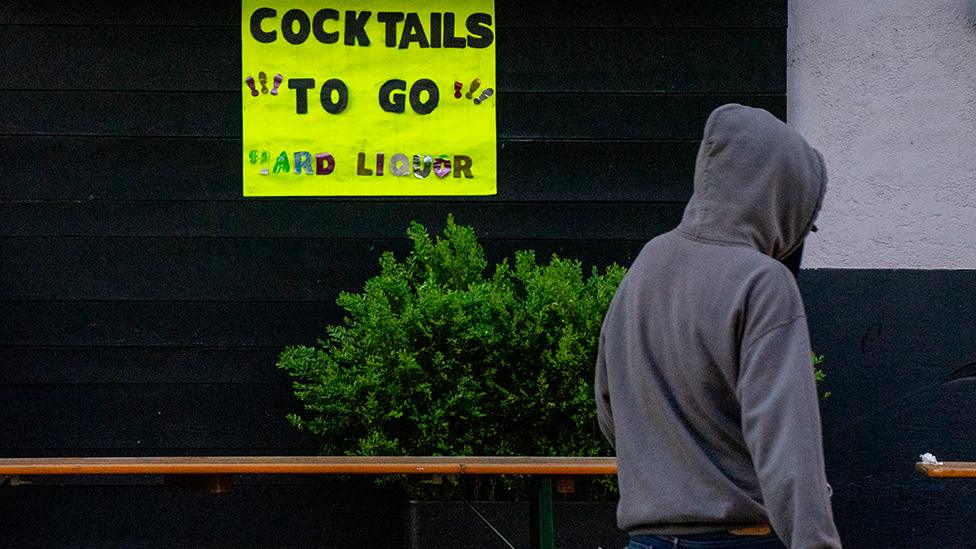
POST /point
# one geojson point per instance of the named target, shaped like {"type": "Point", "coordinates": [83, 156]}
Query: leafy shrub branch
{"type": "Point", "coordinates": [440, 355]}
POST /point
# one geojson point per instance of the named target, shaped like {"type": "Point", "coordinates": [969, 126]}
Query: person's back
{"type": "Point", "coordinates": [704, 377]}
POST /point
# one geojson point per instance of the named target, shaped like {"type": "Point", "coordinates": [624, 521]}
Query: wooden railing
{"type": "Point", "coordinates": [214, 473]}
{"type": "Point", "coordinates": [948, 469]}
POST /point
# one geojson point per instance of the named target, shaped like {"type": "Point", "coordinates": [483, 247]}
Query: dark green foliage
{"type": "Point", "coordinates": [438, 355]}
{"type": "Point", "coordinates": [819, 375]}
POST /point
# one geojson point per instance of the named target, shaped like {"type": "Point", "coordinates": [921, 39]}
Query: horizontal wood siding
{"type": "Point", "coordinates": [143, 301]}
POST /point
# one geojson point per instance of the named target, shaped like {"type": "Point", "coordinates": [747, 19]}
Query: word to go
{"type": "Point", "coordinates": [423, 95]}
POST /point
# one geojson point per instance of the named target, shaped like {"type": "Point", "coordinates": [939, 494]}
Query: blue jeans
{"type": "Point", "coordinates": [706, 541]}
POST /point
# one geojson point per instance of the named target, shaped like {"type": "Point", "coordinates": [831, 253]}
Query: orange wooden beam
{"type": "Point", "coordinates": [309, 465]}
{"type": "Point", "coordinates": [538, 466]}
{"type": "Point", "coordinates": [948, 469]}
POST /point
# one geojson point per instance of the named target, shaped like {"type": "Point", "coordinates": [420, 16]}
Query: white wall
{"type": "Point", "coordinates": [886, 89]}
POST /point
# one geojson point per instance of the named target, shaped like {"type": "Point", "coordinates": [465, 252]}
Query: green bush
{"type": "Point", "coordinates": [440, 355]}
{"type": "Point", "coordinates": [819, 375]}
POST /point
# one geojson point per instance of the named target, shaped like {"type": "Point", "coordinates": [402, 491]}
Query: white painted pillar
{"type": "Point", "coordinates": [886, 89]}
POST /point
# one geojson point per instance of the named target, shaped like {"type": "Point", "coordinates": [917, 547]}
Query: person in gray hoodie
{"type": "Point", "coordinates": [704, 376]}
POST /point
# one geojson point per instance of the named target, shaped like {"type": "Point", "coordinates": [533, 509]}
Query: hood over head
{"type": "Point", "coordinates": [758, 183]}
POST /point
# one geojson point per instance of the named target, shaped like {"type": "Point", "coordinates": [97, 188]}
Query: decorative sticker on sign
{"type": "Point", "coordinates": [378, 98]}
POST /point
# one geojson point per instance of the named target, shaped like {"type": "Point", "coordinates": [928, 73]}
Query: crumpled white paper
{"type": "Point", "coordinates": [929, 459]}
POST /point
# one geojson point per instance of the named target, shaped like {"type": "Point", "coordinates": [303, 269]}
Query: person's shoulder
{"type": "Point", "coordinates": [753, 265]}
{"type": "Point", "coordinates": [771, 282]}
{"type": "Point", "coordinates": [660, 249]}
{"type": "Point", "coordinates": [663, 240]}
{"type": "Point", "coordinates": [765, 266]}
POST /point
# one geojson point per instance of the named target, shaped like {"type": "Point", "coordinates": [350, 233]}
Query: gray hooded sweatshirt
{"type": "Point", "coordinates": [704, 376]}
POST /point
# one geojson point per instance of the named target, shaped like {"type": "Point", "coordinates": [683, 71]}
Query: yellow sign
{"type": "Point", "coordinates": [354, 98]}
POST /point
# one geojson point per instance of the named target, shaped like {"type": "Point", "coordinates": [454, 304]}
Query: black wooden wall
{"type": "Point", "coordinates": [143, 301]}
{"type": "Point", "coordinates": [897, 343]}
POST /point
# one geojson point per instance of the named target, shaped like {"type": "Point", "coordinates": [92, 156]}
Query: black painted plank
{"type": "Point", "coordinates": [139, 365]}
{"type": "Point", "coordinates": [238, 270]}
{"type": "Point", "coordinates": [121, 58]}
{"type": "Point", "coordinates": [335, 219]}
{"type": "Point", "coordinates": [647, 14]}
{"type": "Point", "coordinates": [520, 115]}
{"type": "Point", "coordinates": [183, 323]}
{"type": "Point", "coordinates": [170, 415]}
{"type": "Point", "coordinates": [87, 323]}
{"type": "Point", "coordinates": [120, 168]}
{"type": "Point", "coordinates": [612, 116]}
{"type": "Point", "coordinates": [170, 13]}
{"type": "Point", "coordinates": [622, 60]}
{"type": "Point", "coordinates": [200, 59]}
{"type": "Point", "coordinates": [182, 269]}
{"type": "Point", "coordinates": [335, 516]}
{"type": "Point", "coordinates": [121, 113]}
{"type": "Point", "coordinates": [508, 13]}
{"type": "Point", "coordinates": [594, 171]}
{"type": "Point", "coordinates": [308, 448]}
